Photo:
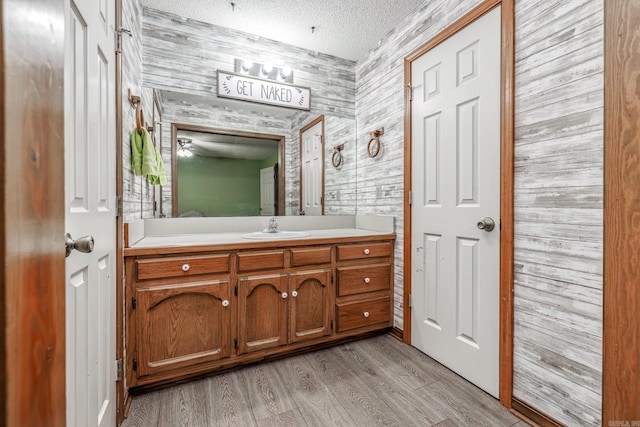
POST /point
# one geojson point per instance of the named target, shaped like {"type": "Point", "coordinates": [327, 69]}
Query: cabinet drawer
{"type": "Point", "coordinates": [160, 268]}
{"type": "Point", "coordinates": [363, 278]}
{"type": "Point", "coordinates": [363, 313]}
{"type": "Point", "coordinates": [251, 261]}
{"type": "Point", "coordinates": [363, 251]}
{"type": "Point", "coordinates": [310, 256]}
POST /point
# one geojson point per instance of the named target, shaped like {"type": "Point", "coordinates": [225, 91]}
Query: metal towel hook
{"type": "Point", "coordinates": [373, 147]}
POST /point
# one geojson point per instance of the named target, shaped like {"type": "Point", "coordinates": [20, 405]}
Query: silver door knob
{"type": "Point", "coordinates": [83, 244]}
{"type": "Point", "coordinates": [487, 224]}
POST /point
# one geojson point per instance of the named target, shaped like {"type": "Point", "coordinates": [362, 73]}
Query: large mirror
{"type": "Point", "coordinates": [182, 60]}
{"type": "Point", "coordinates": [232, 158]}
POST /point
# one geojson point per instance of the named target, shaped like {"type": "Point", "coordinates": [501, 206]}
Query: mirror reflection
{"type": "Point", "coordinates": [226, 173]}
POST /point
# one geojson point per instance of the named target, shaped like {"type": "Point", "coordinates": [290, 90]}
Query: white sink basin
{"type": "Point", "coordinates": [261, 235]}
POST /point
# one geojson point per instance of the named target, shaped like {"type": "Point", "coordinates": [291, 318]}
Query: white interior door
{"type": "Point", "coordinates": [456, 183]}
{"type": "Point", "coordinates": [90, 211]}
{"type": "Point", "coordinates": [312, 168]}
{"type": "Point", "coordinates": [267, 192]}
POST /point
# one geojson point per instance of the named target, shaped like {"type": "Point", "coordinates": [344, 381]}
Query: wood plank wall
{"type": "Point", "coordinates": [558, 188]}
{"type": "Point", "coordinates": [137, 192]}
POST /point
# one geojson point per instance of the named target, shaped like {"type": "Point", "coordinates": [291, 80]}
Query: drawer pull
{"type": "Point", "coordinates": [225, 303]}
{"type": "Point", "coordinates": [367, 280]}
{"type": "Point", "coordinates": [366, 251]}
{"type": "Point", "coordinates": [284, 295]}
{"type": "Point", "coordinates": [366, 314]}
{"type": "Point", "coordinates": [185, 267]}
{"type": "Point", "coordinates": [294, 294]}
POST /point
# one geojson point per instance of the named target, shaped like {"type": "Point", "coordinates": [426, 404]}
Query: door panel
{"type": "Point", "coordinates": [310, 305]}
{"type": "Point", "coordinates": [90, 211]}
{"type": "Point", "coordinates": [267, 192]}
{"type": "Point", "coordinates": [312, 169]}
{"type": "Point", "coordinates": [456, 183]}
{"type": "Point", "coordinates": [262, 312]}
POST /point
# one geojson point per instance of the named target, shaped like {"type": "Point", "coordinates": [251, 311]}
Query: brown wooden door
{"type": "Point", "coordinates": [262, 312]}
{"type": "Point", "coordinates": [182, 325]}
{"type": "Point", "coordinates": [310, 305]}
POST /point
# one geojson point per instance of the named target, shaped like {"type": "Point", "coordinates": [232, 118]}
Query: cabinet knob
{"type": "Point", "coordinates": [284, 295]}
{"type": "Point", "coordinates": [366, 314]}
{"type": "Point", "coordinates": [294, 294]}
{"type": "Point", "coordinates": [367, 280]}
{"type": "Point", "coordinates": [225, 303]}
{"type": "Point", "coordinates": [366, 251]}
{"type": "Point", "coordinates": [185, 267]}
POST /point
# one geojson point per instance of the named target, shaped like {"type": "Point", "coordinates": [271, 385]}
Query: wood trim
{"type": "Point", "coordinates": [531, 415]}
{"type": "Point", "coordinates": [32, 281]}
{"type": "Point", "coordinates": [621, 323]}
{"type": "Point", "coordinates": [506, 180]}
{"type": "Point", "coordinates": [507, 149]}
{"type": "Point", "coordinates": [397, 333]}
{"type": "Point", "coordinates": [305, 128]}
{"type": "Point", "coordinates": [175, 127]}
{"type": "Point", "coordinates": [121, 387]}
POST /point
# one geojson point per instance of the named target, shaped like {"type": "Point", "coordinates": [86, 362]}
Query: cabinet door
{"type": "Point", "coordinates": [310, 304]}
{"type": "Point", "coordinates": [182, 325]}
{"type": "Point", "coordinates": [262, 312]}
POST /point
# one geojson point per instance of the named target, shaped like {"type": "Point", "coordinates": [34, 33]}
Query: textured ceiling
{"type": "Point", "coordinates": [229, 146]}
{"type": "Point", "coordinates": [344, 28]}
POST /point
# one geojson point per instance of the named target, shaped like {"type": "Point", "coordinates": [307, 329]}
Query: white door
{"type": "Point", "coordinates": [456, 183]}
{"type": "Point", "coordinates": [267, 192]}
{"type": "Point", "coordinates": [312, 168]}
{"type": "Point", "coordinates": [90, 210]}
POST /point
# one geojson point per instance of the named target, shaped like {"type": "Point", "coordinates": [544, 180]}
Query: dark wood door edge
{"type": "Point", "coordinates": [506, 184]}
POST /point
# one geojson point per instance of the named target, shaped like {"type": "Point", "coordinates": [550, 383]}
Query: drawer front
{"type": "Point", "coordinates": [310, 256]}
{"type": "Point", "coordinates": [363, 278]}
{"type": "Point", "coordinates": [363, 313]}
{"type": "Point", "coordinates": [364, 251]}
{"type": "Point", "coordinates": [251, 261]}
{"type": "Point", "coordinates": [161, 268]}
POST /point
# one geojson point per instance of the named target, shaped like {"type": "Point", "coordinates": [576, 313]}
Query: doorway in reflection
{"type": "Point", "coordinates": [221, 173]}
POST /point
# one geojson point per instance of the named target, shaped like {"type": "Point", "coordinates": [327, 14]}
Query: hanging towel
{"type": "Point", "coordinates": [145, 159]}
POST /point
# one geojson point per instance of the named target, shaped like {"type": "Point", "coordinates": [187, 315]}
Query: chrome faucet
{"type": "Point", "coordinates": [273, 226]}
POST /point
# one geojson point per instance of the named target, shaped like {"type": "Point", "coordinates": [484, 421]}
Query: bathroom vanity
{"type": "Point", "coordinates": [199, 300]}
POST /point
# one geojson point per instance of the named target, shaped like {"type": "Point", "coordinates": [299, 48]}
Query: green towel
{"type": "Point", "coordinates": [145, 159]}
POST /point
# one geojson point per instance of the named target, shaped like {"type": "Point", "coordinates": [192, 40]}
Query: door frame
{"type": "Point", "coordinates": [302, 130]}
{"type": "Point", "coordinates": [507, 68]}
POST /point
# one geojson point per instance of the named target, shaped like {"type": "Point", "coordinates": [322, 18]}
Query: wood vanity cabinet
{"type": "Point", "coordinates": [190, 313]}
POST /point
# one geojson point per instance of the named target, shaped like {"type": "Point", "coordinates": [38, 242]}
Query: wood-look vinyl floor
{"type": "Point", "coordinates": [377, 381]}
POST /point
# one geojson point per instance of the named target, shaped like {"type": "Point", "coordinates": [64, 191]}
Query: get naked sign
{"type": "Point", "coordinates": [238, 86]}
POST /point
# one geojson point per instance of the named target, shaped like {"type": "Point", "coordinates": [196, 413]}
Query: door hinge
{"type": "Point", "coordinates": [235, 343]}
{"type": "Point", "coordinates": [134, 302]}
{"type": "Point", "coordinates": [235, 290]}
{"type": "Point", "coordinates": [332, 277]}
{"type": "Point", "coordinates": [119, 207]}
{"type": "Point", "coordinates": [331, 325]}
{"type": "Point", "coordinates": [134, 364]}
{"type": "Point", "coordinates": [119, 370]}
{"type": "Point", "coordinates": [409, 300]}
{"type": "Point", "coordinates": [410, 95]}
{"type": "Point", "coordinates": [118, 36]}
{"type": "Point", "coordinates": [410, 198]}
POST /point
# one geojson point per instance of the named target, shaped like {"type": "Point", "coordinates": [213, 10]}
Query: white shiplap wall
{"type": "Point", "coordinates": [137, 192]}
{"type": "Point", "coordinates": [558, 188]}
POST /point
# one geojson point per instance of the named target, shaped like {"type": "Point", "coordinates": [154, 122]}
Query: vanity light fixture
{"type": "Point", "coordinates": [263, 71]}
{"type": "Point", "coordinates": [183, 147]}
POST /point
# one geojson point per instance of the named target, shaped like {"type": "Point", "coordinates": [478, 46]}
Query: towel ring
{"type": "Point", "coordinates": [336, 158]}
{"type": "Point", "coordinates": [373, 147]}
{"type": "Point", "coordinates": [139, 118]}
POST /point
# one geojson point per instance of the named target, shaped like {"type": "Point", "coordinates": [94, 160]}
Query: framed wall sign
{"type": "Point", "coordinates": [246, 88]}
